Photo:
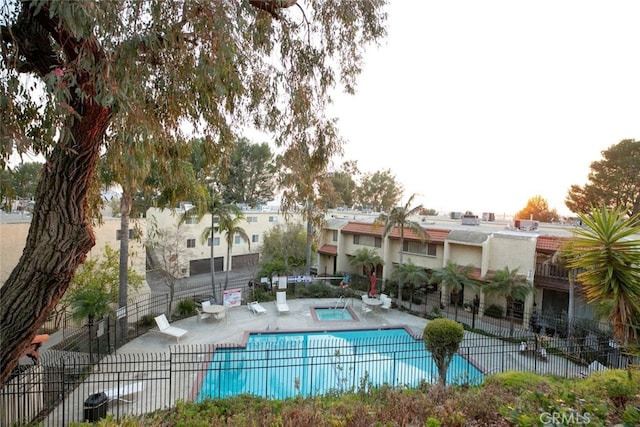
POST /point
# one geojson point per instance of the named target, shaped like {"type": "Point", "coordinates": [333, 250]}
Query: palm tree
{"type": "Point", "coordinates": [400, 217]}
{"type": "Point", "coordinates": [607, 253]}
{"type": "Point", "coordinates": [453, 278]}
{"type": "Point", "coordinates": [213, 205]}
{"type": "Point", "coordinates": [410, 274]}
{"type": "Point", "coordinates": [229, 225]}
{"type": "Point", "coordinates": [366, 258]}
{"type": "Point", "coordinates": [507, 283]}
{"type": "Point", "coordinates": [91, 303]}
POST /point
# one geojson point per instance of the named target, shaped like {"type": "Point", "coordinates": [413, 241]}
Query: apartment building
{"type": "Point", "coordinates": [195, 256]}
{"type": "Point", "coordinates": [487, 246]}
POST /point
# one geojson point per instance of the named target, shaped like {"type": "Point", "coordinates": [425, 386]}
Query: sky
{"type": "Point", "coordinates": [481, 105]}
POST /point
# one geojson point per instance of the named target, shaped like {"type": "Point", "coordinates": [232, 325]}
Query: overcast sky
{"type": "Point", "coordinates": [480, 105]}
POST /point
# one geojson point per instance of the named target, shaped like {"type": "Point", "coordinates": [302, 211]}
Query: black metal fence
{"type": "Point", "coordinates": [68, 387]}
{"type": "Point", "coordinates": [80, 377]}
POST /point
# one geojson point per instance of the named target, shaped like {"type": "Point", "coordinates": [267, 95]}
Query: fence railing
{"type": "Point", "coordinates": [67, 384]}
{"type": "Point", "coordinates": [68, 387]}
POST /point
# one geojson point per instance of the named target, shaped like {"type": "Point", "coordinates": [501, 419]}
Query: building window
{"type": "Point", "coordinates": [252, 219]}
{"type": "Point", "coordinates": [432, 249]}
{"type": "Point", "coordinates": [273, 219]}
{"type": "Point", "coordinates": [191, 243]}
{"type": "Point", "coordinates": [420, 248]}
{"type": "Point", "coordinates": [216, 241]}
{"type": "Point", "coordinates": [335, 235]}
{"type": "Point", "coordinates": [237, 239]}
{"type": "Point", "coordinates": [191, 220]}
{"type": "Point", "coordinates": [374, 242]}
{"type": "Point", "coordinates": [255, 238]}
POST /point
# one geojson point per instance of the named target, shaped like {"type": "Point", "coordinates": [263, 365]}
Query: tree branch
{"type": "Point", "coordinates": [272, 6]}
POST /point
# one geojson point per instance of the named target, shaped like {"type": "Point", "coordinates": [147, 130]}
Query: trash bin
{"type": "Point", "coordinates": [95, 407]}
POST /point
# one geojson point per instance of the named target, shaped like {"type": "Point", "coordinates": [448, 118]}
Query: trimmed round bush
{"type": "Point", "coordinates": [442, 337]}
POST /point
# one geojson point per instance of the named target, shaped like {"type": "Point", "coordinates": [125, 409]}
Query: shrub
{"type": "Point", "coordinates": [442, 337]}
{"type": "Point", "coordinates": [315, 290]}
{"type": "Point", "coordinates": [494, 310]}
{"type": "Point", "coordinates": [147, 320]}
{"type": "Point", "coordinates": [185, 308]}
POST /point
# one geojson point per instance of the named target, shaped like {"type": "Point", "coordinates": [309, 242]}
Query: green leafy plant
{"type": "Point", "coordinates": [442, 337]}
{"type": "Point", "coordinates": [185, 308]}
{"type": "Point", "coordinates": [495, 311]}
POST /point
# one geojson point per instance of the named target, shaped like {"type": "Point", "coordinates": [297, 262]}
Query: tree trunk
{"type": "Point", "coordinates": [123, 279]}
{"type": "Point", "coordinates": [307, 253]}
{"type": "Point", "coordinates": [213, 260]}
{"type": "Point", "coordinates": [401, 264]}
{"type": "Point", "coordinates": [59, 236]}
{"type": "Point", "coordinates": [226, 277]}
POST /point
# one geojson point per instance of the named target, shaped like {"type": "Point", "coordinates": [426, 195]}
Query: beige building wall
{"type": "Point", "coordinates": [464, 254]}
{"type": "Point", "coordinates": [514, 251]}
{"type": "Point", "coordinates": [13, 237]}
{"type": "Point", "coordinates": [256, 224]}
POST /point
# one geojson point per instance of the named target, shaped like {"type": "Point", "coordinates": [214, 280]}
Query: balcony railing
{"type": "Point", "coordinates": [551, 270]}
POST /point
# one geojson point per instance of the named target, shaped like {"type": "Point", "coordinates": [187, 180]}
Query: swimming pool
{"type": "Point", "coordinates": [288, 364]}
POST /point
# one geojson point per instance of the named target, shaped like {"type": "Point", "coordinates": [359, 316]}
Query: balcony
{"type": "Point", "coordinates": [551, 276]}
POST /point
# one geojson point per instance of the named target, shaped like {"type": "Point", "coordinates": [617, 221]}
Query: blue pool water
{"type": "Point", "coordinates": [281, 365]}
{"type": "Point", "coordinates": [328, 314]}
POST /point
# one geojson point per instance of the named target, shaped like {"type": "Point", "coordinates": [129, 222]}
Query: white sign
{"type": "Point", "coordinates": [232, 297]}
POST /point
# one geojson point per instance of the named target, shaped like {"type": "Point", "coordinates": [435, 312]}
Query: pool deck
{"type": "Point", "coordinates": [241, 319]}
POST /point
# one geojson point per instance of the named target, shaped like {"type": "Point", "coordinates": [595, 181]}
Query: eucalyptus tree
{"type": "Point", "coordinates": [128, 161]}
{"type": "Point", "coordinates": [379, 191]}
{"type": "Point", "coordinates": [606, 253]}
{"type": "Point", "coordinates": [230, 227]}
{"type": "Point", "coordinates": [400, 216]}
{"type": "Point", "coordinates": [344, 184]}
{"type": "Point", "coordinates": [410, 274]}
{"type": "Point", "coordinates": [174, 68]}
{"type": "Point", "coordinates": [510, 285]}
{"type": "Point", "coordinates": [454, 278]}
{"type": "Point", "coordinates": [305, 178]}
{"type": "Point", "coordinates": [252, 180]}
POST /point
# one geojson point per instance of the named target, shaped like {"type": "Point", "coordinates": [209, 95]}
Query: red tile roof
{"type": "Point", "coordinates": [550, 244]}
{"type": "Point", "coordinates": [328, 250]}
{"type": "Point", "coordinates": [363, 229]}
{"type": "Point", "coordinates": [434, 235]}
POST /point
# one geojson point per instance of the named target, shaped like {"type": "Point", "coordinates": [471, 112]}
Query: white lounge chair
{"type": "Point", "coordinates": [125, 393]}
{"type": "Point", "coordinates": [167, 329]}
{"type": "Point", "coordinates": [281, 302]}
{"type": "Point", "coordinates": [256, 308]}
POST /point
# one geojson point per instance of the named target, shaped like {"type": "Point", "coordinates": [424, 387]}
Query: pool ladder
{"type": "Point", "coordinates": [343, 301]}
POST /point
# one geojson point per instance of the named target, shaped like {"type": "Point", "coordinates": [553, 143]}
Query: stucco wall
{"type": "Point", "coordinates": [13, 237]}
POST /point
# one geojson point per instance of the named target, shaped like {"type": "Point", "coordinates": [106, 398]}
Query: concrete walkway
{"type": "Point", "coordinates": [241, 320]}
